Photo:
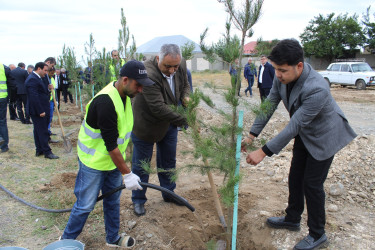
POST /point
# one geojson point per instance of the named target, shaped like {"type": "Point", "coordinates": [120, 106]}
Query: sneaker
{"type": "Point", "coordinates": [125, 241]}
{"type": "Point", "coordinates": [309, 243]}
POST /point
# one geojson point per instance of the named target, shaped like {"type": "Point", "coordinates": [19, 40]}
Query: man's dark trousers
{"type": "Point", "coordinates": [306, 179]}
{"type": "Point", "coordinates": [264, 92]}
{"type": "Point", "coordinates": [3, 123]}
{"type": "Point", "coordinates": [41, 135]}
{"type": "Point", "coordinates": [165, 158]}
{"type": "Point", "coordinates": [22, 101]}
{"type": "Point", "coordinates": [12, 104]}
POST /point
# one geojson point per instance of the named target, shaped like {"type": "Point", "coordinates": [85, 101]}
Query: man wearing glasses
{"type": "Point", "coordinates": [156, 122]}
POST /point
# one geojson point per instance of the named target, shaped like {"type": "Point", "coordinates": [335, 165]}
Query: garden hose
{"type": "Point", "coordinates": [161, 189]}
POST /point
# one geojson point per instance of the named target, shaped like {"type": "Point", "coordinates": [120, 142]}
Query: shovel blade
{"type": "Point", "coordinates": [67, 145]}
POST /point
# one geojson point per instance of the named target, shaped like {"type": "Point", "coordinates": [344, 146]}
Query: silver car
{"type": "Point", "coordinates": [357, 74]}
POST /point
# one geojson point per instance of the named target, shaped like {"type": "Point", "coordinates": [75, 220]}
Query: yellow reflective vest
{"type": "Point", "coordinates": [3, 82]}
{"type": "Point", "coordinates": [90, 146]}
{"type": "Point", "coordinates": [54, 86]}
{"type": "Point", "coordinates": [113, 71]}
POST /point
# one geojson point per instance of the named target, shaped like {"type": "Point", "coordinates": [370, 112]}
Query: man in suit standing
{"type": "Point", "coordinates": [6, 85]}
{"type": "Point", "coordinates": [156, 122]}
{"type": "Point", "coordinates": [38, 97]}
{"type": "Point", "coordinates": [20, 75]}
{"type": "Point", "coordinates": [319, 129]}
{"type": "Point", "coordinates": [58, 83]}
{"type": "Point", "coordinates": [249, 73]}
{"type": "Point", "coordinates": [65, 86]}
{"type": "Point", "coordinates": [12, 98]}
{"type": "Point", "coordinates": [266, 75]}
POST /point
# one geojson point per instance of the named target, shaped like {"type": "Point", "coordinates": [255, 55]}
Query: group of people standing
{"type": "Point", "coordinates": [28, 94]}
{"type": "Point", "coordinates": [265, 76]}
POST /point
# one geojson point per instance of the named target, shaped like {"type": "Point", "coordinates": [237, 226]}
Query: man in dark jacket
{"type": "Point", "coordinates": [265, 79]}
{"type": "Point", "coordinates": [38, 97]}
{"type": "Point", "coordinates": [20, 75]}
{"type": "Point", "coordinates": [249, 73]}
{"type": "Point", "coordinates": [6, 85]}
{"type": "Point", "coordinates": [156, 122]}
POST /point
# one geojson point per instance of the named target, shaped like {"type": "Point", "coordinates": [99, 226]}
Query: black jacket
{"type": "Point", "coordinates": [20, 75]}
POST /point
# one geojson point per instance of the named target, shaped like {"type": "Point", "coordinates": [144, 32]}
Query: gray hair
{"type": "Point", "coordinates": [169, 49]}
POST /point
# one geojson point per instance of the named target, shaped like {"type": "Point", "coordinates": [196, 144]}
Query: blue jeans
{"type": "Point", "coordinates": [250, 81]}
{"type": "Point", "coordinates": [88, 184]}
{"type": "Point", "coordinates": [3, 123]}
{"type": "Point", "coordinates": [165, 159]}
{"type": "Point", "coordinates": [52, 107]}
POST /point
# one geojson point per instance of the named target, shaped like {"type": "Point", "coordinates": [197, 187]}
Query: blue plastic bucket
{"type": "Point", "coordinates": [13, 248]}
{"type": "Point", "coordinates": [65, 245]}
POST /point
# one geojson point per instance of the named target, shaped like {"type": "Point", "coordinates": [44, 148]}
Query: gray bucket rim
{"type": "Point", "coordinates": [60, 245]}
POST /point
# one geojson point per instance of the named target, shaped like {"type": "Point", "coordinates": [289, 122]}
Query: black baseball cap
{"type": "Point", "coordinates": [137, 71]}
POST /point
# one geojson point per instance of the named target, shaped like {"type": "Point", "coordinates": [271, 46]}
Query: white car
{"type": "Point", "coordinates": [357, 74]}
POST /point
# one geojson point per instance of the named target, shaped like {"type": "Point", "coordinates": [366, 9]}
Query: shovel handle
{"type": "Point", "coordinates": [58, 113]}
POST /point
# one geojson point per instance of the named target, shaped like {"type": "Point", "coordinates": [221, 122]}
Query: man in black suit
{"type": "Point", "coordinates": [38, 97]}
{"type": "Point", "coordinates": [65, 86]}
{"type": "Point", "coordinates": [20, 75]}
{"type": "Point", "coordinates": [12, 96]}
{"type": "Point", "coordinates": [265, 79]}
{"type": "Point", "coordinates": [58, 89]}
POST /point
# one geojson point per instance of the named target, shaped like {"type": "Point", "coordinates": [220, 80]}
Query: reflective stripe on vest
{"type": "Point", "coordinates": [91, 147]}
{"type": "Point", "coordinates": [3, 82]}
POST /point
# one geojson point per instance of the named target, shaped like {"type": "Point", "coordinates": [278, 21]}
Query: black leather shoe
{"type": "Point", "coordinates": [28, 122]}
{"type": "Point", "coordinates": [4, 150]}
{"type": "Point", "coordinates": [177, 202]}
{"type": "Point", "coordinates": [51, 156]}
{"type": "Point", "coordinates": [38, 154]}
{"type": "Point", "coordinates": [309, 243]}
{"type": "Point", "coordinates": [139, 209]}
{"type": "Point", "coordinates": [15, 119]}
{"type": "Point", "coordinates": [279, 222]}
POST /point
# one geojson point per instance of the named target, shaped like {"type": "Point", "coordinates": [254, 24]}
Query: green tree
{"type": "Point", "coordinates": [329, 37]}
{"type": "Point", "coordinates": [369, 28]}
{"type": "Point", "coordinates": [265, 47]}
{"type": "Point", "coordinates": [123, 40]}
{"type": "Point", "coordinates": [218, 148]}
{"type": "Point", "coordinates": [91, 52]}
{"type": "Point", "coordinates": [187, 50]}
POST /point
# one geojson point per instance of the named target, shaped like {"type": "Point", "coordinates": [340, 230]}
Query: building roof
{"type": "Point", "coordinates": [249, 48]}
{"type": "Point", "coordinates": [153, 46]}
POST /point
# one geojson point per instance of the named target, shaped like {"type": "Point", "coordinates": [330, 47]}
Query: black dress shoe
{"type": "Point", "coordinates": [28, 122]}
{"type": "Point", "coordinates": [279, 222]}
{"type": "Point", "coordinates": [172, 200]}
{"type": "Point", "coordinates": [38, 154]}
{"type": "Point", "coordinates": [51, 156]}
{"type": "Point", "coordinates": [139, 209]}
{"type": "Point", "coordinates": [15, 119]}
{"type": "Point", "coordinates": [309, 243]}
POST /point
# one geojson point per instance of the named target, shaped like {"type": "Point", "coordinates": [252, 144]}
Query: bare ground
{"type": "Point", "coordinates": [263, 190]}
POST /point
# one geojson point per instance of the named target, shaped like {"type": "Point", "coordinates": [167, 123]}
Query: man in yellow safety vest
{"type": "Point", "coordinates": [101, 146]}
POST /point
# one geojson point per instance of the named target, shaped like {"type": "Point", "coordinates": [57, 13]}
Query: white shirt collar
{"type": "Point", "coordinates": [37, 74]}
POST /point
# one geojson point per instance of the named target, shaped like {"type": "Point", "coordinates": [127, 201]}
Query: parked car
{"type": "Point", "coordinates": [357, 74]}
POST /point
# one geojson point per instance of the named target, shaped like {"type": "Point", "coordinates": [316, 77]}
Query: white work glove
{"type": "Point", "coordinates": [132, 181]}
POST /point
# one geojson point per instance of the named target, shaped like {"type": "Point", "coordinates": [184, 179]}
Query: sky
{"type": "Point", "coordinates": [31, 31]}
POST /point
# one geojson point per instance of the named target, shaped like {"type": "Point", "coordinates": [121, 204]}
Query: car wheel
{"type": "Point", "coordinates": [329, 83]}
{"type": "Point", "coordinates": [360, 84]}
